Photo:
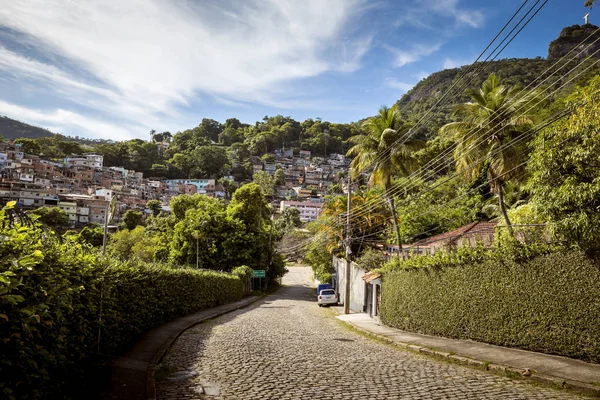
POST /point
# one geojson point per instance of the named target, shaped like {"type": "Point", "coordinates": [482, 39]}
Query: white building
{"type": "Point", "coordinates": [309, 211]}
{"type": "Point", "coordinates": [87, 160]}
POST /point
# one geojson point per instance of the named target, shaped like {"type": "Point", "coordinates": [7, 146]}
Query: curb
{"type": "Point", "coordinates": [151, 369]}
{"type": "Point", "coordinates": [511, 372]}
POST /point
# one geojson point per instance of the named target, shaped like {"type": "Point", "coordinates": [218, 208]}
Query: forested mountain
{"type": "Point", "coordinates": [521, 72]}
{"type": "Point", "coordinates": [12, 129]}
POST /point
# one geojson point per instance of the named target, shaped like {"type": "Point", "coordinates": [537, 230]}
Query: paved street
{"type": "Point", "coordinates": [286, 347]}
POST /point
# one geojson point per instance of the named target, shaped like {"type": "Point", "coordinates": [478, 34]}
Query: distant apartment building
{"type": "Point", "coordinates": [88, 160]}
{"type": "Point", "coordinates": [309, 211]}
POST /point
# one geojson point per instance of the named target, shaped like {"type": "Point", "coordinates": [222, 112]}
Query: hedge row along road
{"type": "Point", "coordinates": [286, 347]}
{"type": "Point", "coordinates": [549, 304]}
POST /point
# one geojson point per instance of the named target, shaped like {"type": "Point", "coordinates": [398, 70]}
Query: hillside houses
{"type": "Point", "coordinates": [82, 186]}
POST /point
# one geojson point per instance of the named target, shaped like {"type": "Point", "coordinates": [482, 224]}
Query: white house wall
{"type": "Point", "coordinates": [357, 285]}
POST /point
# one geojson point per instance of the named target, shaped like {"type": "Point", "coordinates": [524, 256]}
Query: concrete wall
{"type": "Point", "coordinates": [357, 285]}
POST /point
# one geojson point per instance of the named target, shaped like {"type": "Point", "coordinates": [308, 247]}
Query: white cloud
{"type": "Point", "coordinates": [155, 58]}
{"type": "Point", "coordinates": [421, 75]}
{"type": "Point", "coordinates": [429, 13]}
{"type": "Point", "coordinates": [452, 63]}
{"type": "Point", "coordinates": [60, 120]}
{"type": "Point", "coordinates": [402, 86]}
{"type": "Point", "coordinates": [415, 53]}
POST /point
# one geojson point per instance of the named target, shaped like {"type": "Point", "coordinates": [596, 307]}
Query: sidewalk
{"type": "Point", "coordinates": [548, 369]}
{"type": "Point", "coordinates": [131, 376]}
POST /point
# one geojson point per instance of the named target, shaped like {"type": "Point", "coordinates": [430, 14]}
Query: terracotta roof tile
{"type": "Point", "coordinates": [472, 229]}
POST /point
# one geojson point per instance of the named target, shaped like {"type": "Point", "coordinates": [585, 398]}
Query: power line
{"type": "Point", "coordinates": [399, 187]}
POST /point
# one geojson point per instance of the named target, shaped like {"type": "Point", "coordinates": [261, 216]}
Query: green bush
{"type": "Point", "coordinates": [541, 302]}
{"type": "Point", "coordinates": [56, 297]}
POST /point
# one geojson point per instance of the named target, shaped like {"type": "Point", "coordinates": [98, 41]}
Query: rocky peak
{"type": "Point", "coordinates": [575, 37]}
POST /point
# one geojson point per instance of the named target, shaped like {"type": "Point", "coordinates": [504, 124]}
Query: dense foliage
{"type": "Point", "coordinates": [565, 165]}
{"type": "Point", "coordinates": [64, 308]}
{"type": "Point", "coordinates": [12, 129]}
{"type": "Point", "coordinates": [547, 303]}
{"type": "Point", "coordinates": [419, 100]}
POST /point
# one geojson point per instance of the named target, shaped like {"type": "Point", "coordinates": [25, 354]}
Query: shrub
{"type": "Point", "coordinates": [537, 300]}
{"type": "Point", "coordinates": [55, 298]}
{"type": "Point", "coordinates": [371, 259]}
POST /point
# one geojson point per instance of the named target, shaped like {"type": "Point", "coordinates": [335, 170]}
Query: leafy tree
{"type": "Point", "coordinates": [159, 170]}
{"type": "Point", "coordinates": [92, 234]}
{"type": "Point", "coordinates": [279, 177]}
{"type": "Point", "coordinates": [366, 225]}
{"type": "Point", "coordinates": [380, 150]}
{"type": "Point", "coordinates": [208, 162]}
{"type": "Point", "coordinates": [155, 206]}
{"type": "Point", "coordinates": [229, 186]}
{"type": "Point", "coordinates": [182, 162]}
{"type": "Point", "coordinates": [372, 259]}
{"type": "Point", "coordinates": [134, 244]}
{"type": "Point", "coordinates": [29, 146]}
{"type": "Point", "coordinates": [181, 204]}
{"type": "Point", "coordinates": [208, 129]}
{"type": "Point", "coordinates": [320, 261]}
{"type": "Point", "coordinates": [133, 218]}
{"type": "Point", "coordinates": [211, 238]}
{"type": "Point", "coordinates": [565, 171]}
{"type": "Point", "coordinates": [250, 206]}
{"type": "Point", "coordinates": [486, 125]}
{"type": "Point", "coordinates": [288, 220]}
{"type": "Point", "coordinates": [54, 217]}
{"type": "Point", "coordinates": [122, 242]}
{"type": "Point", "coordinates": [265, 182]}
{"type": "Point", "coordinates": [68, 148]}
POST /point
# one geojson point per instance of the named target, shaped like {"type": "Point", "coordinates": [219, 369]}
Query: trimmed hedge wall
{"type": "Point", "coordinates": [55, 296]}
{"type": "Point", "coordinates": [550, 303]}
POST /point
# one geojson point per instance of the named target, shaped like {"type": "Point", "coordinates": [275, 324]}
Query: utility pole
{"type": "Point", "coordinates": [106, 211]}
{"type": "Point", "coordinates": [348, 251]}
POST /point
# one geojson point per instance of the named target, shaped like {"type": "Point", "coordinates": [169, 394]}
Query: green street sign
{"type": "Point", "coordinates": [259, 273]}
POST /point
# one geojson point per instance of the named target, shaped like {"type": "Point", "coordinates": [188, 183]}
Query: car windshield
{"type": "Point", "coordinates": [328, 291]}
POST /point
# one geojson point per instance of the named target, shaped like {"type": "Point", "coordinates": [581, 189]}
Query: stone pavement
{"type": "Point", "coordinates": [131, 376]}
{"type": "Point", "coordinates": [545, 368]}
{"type": "Point", "coordinates": [286, 347]}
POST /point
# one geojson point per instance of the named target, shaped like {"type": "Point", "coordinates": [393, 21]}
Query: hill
{"type": "Point", "coordinates": [12, 129]}
{"type": "Point", "coordinates": [521, 72]}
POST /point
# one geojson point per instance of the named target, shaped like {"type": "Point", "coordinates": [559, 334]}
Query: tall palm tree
{"type": "Point", "coordinates": [486, 125]}
{"type": "Point", "coordinates": [380, 150]}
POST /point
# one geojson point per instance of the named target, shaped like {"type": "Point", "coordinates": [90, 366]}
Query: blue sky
{"type": "Point", "coordinates": [116, 70]}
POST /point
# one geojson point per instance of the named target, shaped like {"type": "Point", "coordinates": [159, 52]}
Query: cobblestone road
{"type": "Point", "coordinates": [286, 347]}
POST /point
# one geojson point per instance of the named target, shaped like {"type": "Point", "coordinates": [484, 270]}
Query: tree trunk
{"type": "Point", "coordinates": [395, 221]}
{"type": "Point", "coordinates": [503, 209]}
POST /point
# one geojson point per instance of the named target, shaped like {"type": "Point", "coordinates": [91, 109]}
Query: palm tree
{"type": "Point", "coordinates": [486, 125]}
{"type": "Point", "coordinates": [380, 150]}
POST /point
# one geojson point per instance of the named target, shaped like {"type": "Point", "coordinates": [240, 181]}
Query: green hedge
{"type": "Point", "coordinates": [55, 296]}
{"type": "Point", "coordinates": [549, 303]}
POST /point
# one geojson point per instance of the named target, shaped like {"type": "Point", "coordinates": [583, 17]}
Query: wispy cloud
{"type": "Point", "coordinates": [415, 53]}
{"type": "Point", "coordinates": [442, 19]}
{"type": "Point", "coordinates": [67, 121]}
{"type": "Point", "coordinates": [421, 75]}
{"type": "Point", "coordinates": [396, 84]}
{"type": "Point", "coordinates": [151, 59]}
{"type": "Point", "coordinates": [455, 63]}
{"type": "Point", "coordinates": [430, 13]}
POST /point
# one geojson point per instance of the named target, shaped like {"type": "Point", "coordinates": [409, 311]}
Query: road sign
{"type": "Point", "coordinates": [259, 273]}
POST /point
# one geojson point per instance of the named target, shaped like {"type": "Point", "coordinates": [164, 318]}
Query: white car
{"type": "Point", "coordinates": [327, 297]}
